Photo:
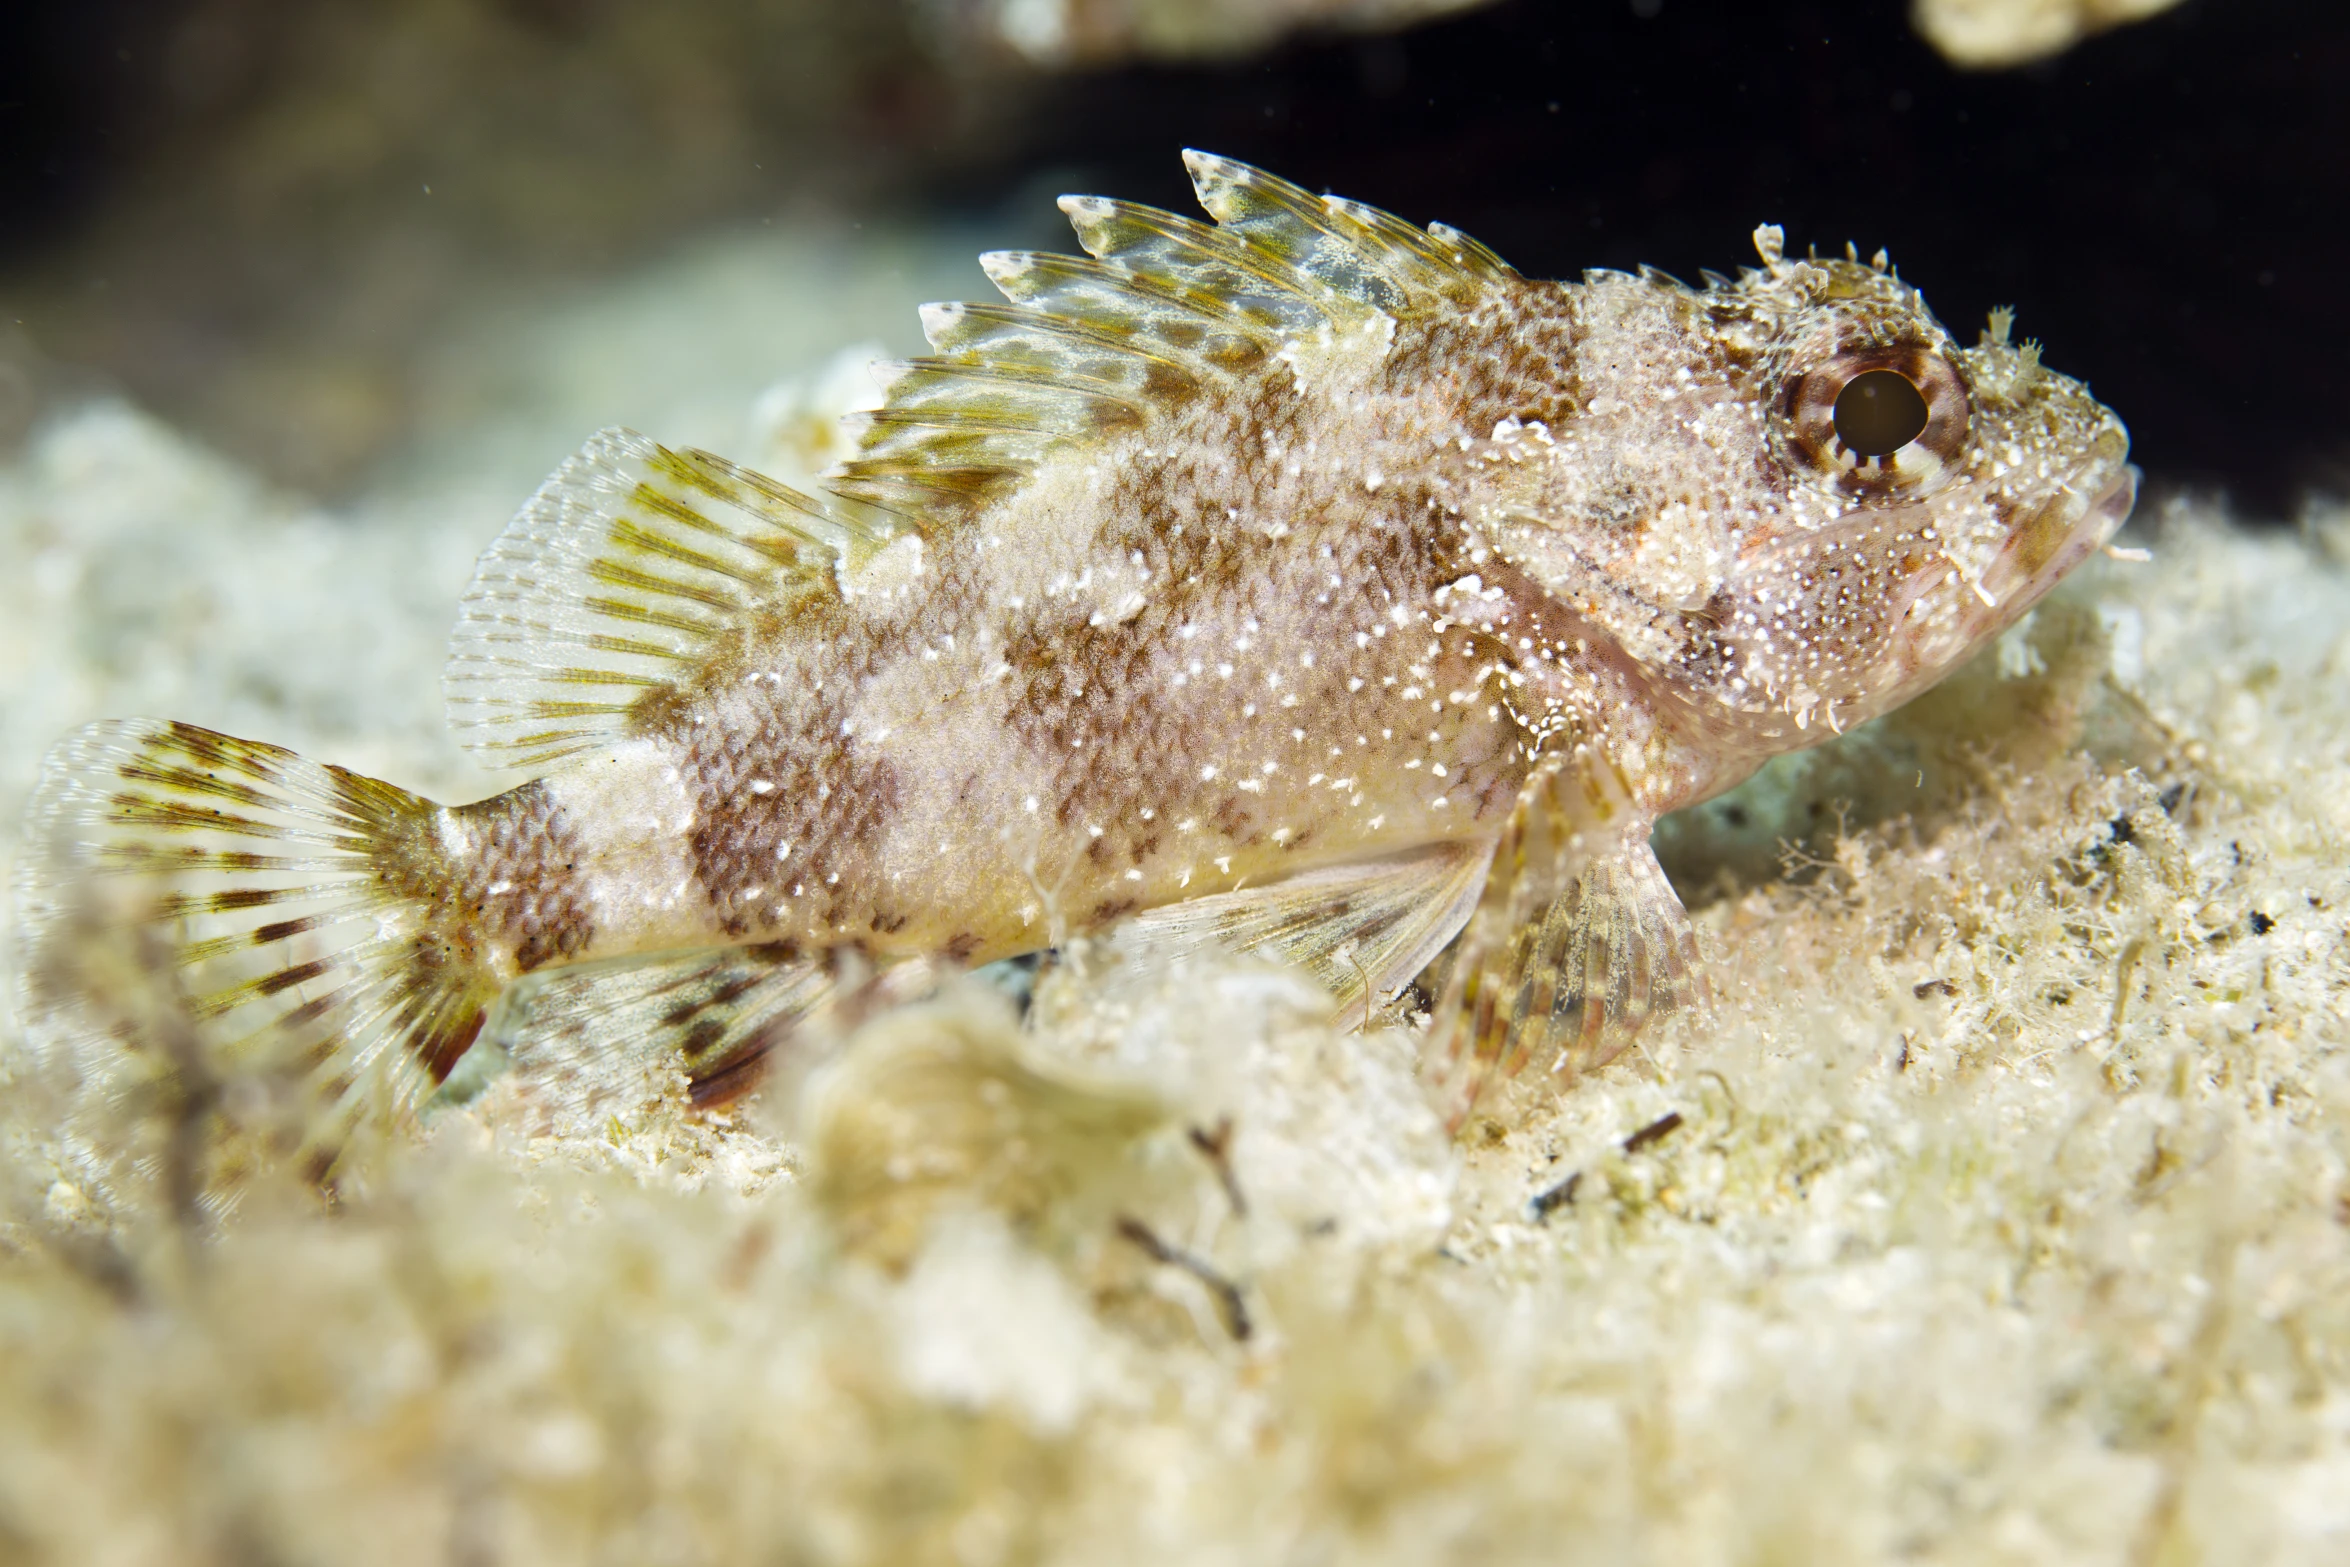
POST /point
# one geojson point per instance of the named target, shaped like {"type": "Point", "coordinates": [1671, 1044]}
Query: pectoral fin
{"type": "Point", "coordinates": [1578, 944]}
{"type": "Point", "coordinates": [1363, 931]}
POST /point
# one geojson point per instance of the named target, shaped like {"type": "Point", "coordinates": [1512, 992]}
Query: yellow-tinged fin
{"type": "Point", "coordinates": [1355, 252]}
{"type": "Point", "coordinates": [1578, 945]}
{"type": "Point", "coordinates": [1166, 308]}
{"type": "Point", "coordinates": [298, 910]}
{"type": "Point", "coordinates": [1363, 931]}
{"type": "Point", "coordinates": [622, 575]}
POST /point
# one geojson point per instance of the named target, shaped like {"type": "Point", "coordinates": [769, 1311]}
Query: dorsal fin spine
{"type": "Point", "coordinates": [1023, 276]}
{"type": "Point", "coordinates": [1183, 255]}
{"type": "Point", "coordinates": [1470, 253]}
{"type": "Point", "coordinates": [1020, 318]}
{"type": "Point", "coordinates": [917, 374]}
{"type": "Point", "coordinates": [1300, 231]}
{"type": "Point", "coordinates": [1417, 261]}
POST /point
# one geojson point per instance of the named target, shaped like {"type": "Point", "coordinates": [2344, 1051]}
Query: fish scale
{"type": "Point", "coordinates": [1299, 582]}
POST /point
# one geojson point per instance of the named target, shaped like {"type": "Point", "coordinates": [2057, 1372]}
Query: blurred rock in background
{"type": "Point", "coordinates": [1060, 33]}
{"type": "Point", "coordinates": [286, 197]}
{"type": "Point", "coordinates": [1992, 33]}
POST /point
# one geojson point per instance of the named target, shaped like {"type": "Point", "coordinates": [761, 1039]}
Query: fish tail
{"type": "Point", "coordinates": [304, 919]}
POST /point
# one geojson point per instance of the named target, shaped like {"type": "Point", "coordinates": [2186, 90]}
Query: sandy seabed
{"type": "Point", "coordinates": [2000, 1212]}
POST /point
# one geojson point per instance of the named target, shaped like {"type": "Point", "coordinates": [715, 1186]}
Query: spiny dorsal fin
{"type": "Point", "coordinates": [617, 577]}
{"type": "Point", "coordinates": [1358, 253]}
{"type": "Point", "coordinates": [632, 561]}
{"type": "Point", "coordinates": [1166, 309]}
{"type": "Point", "coordinates": [1468, 254]}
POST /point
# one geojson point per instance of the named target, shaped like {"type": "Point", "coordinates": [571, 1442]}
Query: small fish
{"type": "Point", "coordinates": [1304, 582]}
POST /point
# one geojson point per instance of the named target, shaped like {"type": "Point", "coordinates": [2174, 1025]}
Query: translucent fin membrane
{"type": "Point", "coordinates": [289, 903]}
{"type": "Point", "coordinates": [623, 575]}
{"type": "Point", "coordinates": [1363, 931]}
{"type": "Point", "coordinates": [1578, 944]}
{"type": "Point", "coordinates": [598, 1041]}
{"type": "Point", "coordinates": [1166, 310]}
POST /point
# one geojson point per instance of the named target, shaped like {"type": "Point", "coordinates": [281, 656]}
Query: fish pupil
{"type": "Point", "coordinates": [1879, 412]}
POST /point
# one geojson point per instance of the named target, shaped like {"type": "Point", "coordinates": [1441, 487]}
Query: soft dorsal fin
{"type": "Point", "coordinates": [1166, 308]}
{"type": "Point", "coordinates": [617, 576]}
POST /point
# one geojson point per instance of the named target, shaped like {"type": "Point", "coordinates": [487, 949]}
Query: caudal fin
{"type": "Point", "coordinates": [301, 912]}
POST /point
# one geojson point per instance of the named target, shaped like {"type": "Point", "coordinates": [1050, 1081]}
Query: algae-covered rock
{"type": "Point", "coordinates": [1996, 1213]}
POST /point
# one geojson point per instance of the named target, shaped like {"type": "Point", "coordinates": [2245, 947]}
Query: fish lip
{"type": "Point", "coordinates": [2013, 575]}
{"type": "Point", "coordinates": [2113, 504]}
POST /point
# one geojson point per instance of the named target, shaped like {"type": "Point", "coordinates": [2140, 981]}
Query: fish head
{"type": "Point", "coordinates": [1928, 495]}
{"type": "Point", "coordinates": [1790, 501]}
{"type": "Point", "coordinates": [1880, 501]}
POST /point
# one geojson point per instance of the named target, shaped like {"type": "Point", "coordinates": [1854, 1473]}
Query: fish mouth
{"type": "Point", "coordinates": [2043, 550]}
{"type": "Point", "coordinates": [2112, 506]}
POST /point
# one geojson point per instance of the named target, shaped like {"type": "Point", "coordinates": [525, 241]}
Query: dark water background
{"type": "Point", "coordinates": [2164, 204]}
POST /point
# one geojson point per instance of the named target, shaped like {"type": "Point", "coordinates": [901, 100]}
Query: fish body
{"type": "Point", "coordinates": [1303, 582]}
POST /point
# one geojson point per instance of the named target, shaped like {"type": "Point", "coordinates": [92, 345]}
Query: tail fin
{"type": "Point", "coordinates": [306, 911]}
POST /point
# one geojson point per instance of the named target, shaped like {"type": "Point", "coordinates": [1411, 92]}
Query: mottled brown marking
{"type": "Point", "coordinates": [720, 1084]}
{"type": "Point", "coordinates": [521, 885]}
{"type": "Point", "coordinates": [442, 1044]}
{"type": "Point", "coordinates": [1675, 577]}
{"type": "Point", "coordinates": [288, 978]}
{"type": "Point", "coordinates": [1513, 354]}
{"type": "Point", "coordinates": [826, 801]}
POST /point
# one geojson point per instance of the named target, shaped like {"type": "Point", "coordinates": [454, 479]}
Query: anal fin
{"type": "Point", "coordinates": [604, 1041]}
{"type": "Point", "coordinates": [1363, 931]}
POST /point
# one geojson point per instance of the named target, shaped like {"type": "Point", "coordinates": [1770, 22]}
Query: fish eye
{"type": "Point", "coordinates": [1879, 417]}
{"type": "Point", "coordinates": [1879, 412]}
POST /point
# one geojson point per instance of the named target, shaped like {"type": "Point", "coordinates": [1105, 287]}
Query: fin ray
{"type": "Point", "coordinates": [604, 1039]}
{"type": "Point", "coordinates": [1166, 309]}
{"type": "Point", "coordinates": [618, 577]}
{"type": "Point", "coordinates": [1347, 257]}
{"type": "Point", "coordinates": [1578, 944]}
{"type": "Point", "coordinates": [320, 972]}
{"type": "Point", "coordinates": [1363, 930]}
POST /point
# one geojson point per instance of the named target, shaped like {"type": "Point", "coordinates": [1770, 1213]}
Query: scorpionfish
{"type": "Point", "coordinates": [1302, 582]}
